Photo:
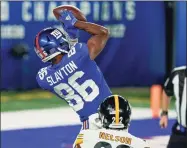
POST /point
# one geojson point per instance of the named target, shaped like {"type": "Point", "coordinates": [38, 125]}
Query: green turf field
{"type": "Point", "coordinates": [36, 99]}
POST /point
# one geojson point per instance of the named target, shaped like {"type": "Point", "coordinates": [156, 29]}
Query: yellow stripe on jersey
{"type": "Point", "coordinates": [80, 135]}
{"type": "Point", "coordinates": [79, 139]}
{"type": "Point", "coordinates": [117, 108]}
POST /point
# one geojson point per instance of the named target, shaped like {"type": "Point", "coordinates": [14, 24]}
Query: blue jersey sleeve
{"type": "Point", "coordinates": [82, 49]}
{"type": "Point", "coordinates": [40, 82]}
{"type": "Point", "coordinates": [40, 78]}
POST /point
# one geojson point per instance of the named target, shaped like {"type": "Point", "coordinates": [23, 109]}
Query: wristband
{"type": "Point", "coordinates": [164, 113]}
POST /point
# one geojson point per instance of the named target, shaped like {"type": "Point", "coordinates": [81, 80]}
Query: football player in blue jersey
{"type": "Point", "coordinates": [72, 73]}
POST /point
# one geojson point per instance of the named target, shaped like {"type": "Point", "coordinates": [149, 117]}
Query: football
{"type": "Point", "coordinates": [76, 12]}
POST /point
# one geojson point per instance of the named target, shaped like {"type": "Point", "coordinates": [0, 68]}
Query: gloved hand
{"type": "Point", "coordinates": [73, 33]}
{"type": "Point", "coordinates": [68, 20]}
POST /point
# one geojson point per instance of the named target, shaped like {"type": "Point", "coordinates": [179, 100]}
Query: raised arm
{"type": "Point", "coordinates": [99, 37]}
{"type": "Point", "coordinates": [99, 33]}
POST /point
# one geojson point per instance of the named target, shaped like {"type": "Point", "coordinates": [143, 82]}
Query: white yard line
{"type": "Point", "coordinates": [158, 141]}
{"type": "Point", "coordinates": [54, 117]}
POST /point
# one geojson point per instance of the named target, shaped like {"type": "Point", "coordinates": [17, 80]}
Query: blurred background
{"type": "Point", "coordinates": [147, 40]}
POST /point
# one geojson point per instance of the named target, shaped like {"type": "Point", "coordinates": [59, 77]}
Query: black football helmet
{"type": "Point", "coordinates": [115, 112]}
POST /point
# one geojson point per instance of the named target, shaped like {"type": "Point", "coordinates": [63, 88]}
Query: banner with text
{"type": "Point", "coordinates": [133, 56]}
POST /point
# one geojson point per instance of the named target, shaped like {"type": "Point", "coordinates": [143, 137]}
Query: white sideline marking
{"type": "Point", "coordinates": [158, 141]}
{"type": "Point", "coordinates": [55, 117]}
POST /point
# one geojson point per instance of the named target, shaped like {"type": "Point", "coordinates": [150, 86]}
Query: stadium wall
{"type": "Point", "coordinates": [133, 56]}
{"type": "Point", "coordinates": [180, 34]}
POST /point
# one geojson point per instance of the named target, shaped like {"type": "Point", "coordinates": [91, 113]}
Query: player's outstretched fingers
{"type": "Point", "coordinates": [164, 122]}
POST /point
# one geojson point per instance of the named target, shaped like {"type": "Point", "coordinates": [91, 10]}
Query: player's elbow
{"type": "Point", "coordinates": [105, 32]}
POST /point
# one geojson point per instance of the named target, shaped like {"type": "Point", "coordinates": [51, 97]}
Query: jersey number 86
{"type": "Point", "coordinates": [76, 101]}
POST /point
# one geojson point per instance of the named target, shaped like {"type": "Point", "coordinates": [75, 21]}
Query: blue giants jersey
{"type": "Point", "coordinates": [77, 80]}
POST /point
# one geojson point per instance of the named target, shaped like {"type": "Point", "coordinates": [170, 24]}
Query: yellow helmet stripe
{"type": "Point", "coordinates": [117, 108]}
